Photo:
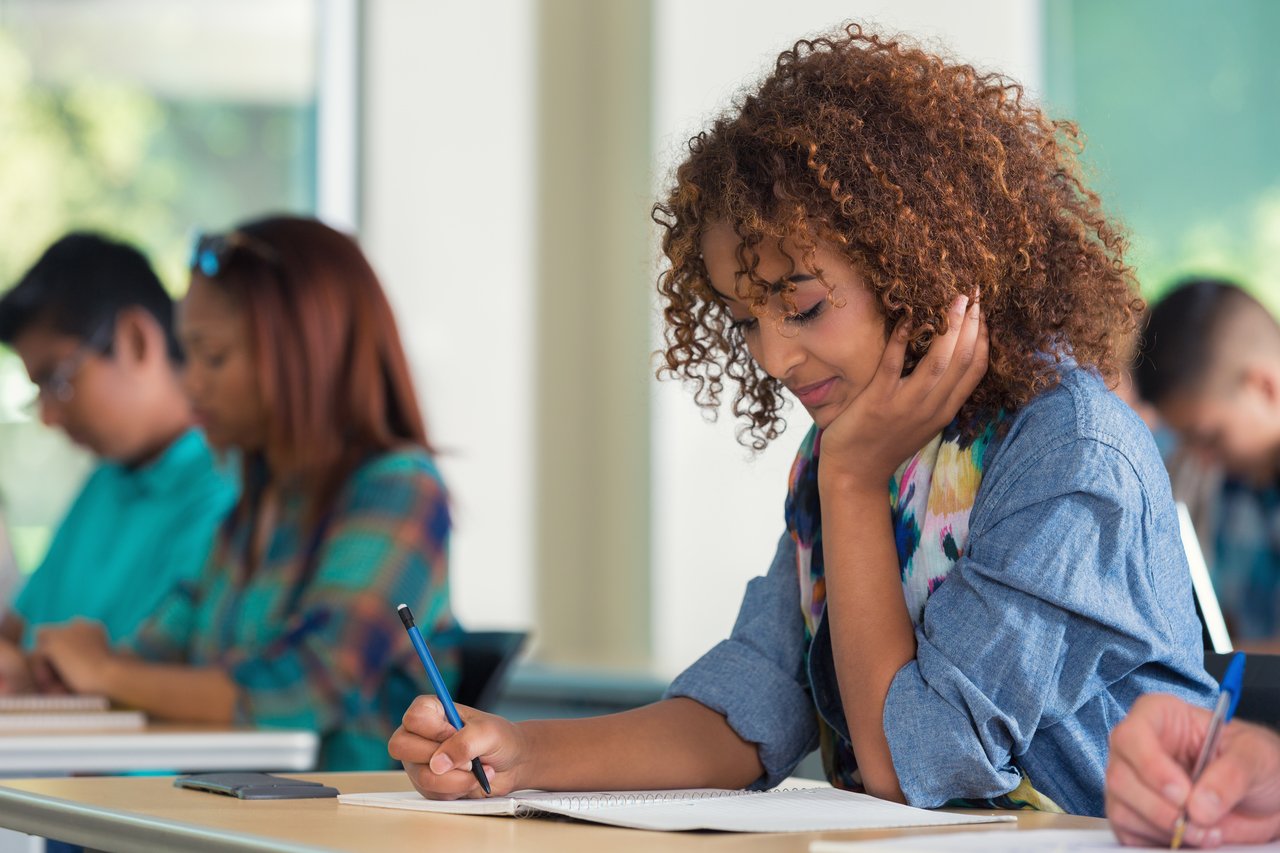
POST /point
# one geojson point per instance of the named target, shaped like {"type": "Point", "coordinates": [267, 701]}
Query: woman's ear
{"type": "Point", "coordinates": [1263, 379]}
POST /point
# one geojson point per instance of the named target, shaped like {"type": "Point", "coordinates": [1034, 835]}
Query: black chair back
{"type": "Point", "coordinates": [1260, 696]}
{"type": "Point", "coordinates": [486, 658]}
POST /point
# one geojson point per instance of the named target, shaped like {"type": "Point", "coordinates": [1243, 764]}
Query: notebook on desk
{"type": "Point", "coordinates": [53, 712]}
{"type": "Point", "coordinates": [779, 810]}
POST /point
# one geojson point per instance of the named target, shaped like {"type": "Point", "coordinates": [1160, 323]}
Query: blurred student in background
{"type": "Point", "coordinates": [94, 329]}
{"type": "Point", "coordinates": [294, 360]}
{"type": "Point", "coordinates": [1209, 362]}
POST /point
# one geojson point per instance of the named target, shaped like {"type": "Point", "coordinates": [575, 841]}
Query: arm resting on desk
{"type": "Point", "coordinates": [675, 743]}
{"type": "Point", "coordinates": [171, 691]}
{"type": "Point", "coordinates": [79, 652]}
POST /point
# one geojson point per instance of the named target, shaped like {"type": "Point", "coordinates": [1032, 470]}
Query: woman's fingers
{"type": "Point", "coordinates": [1132, 803]}
{"type": "Point", "coordinates": [453, 785]}
{"type": "Point", "coordinates": [892, 360]}
{"type": "Point", "coordinates": [1132, 827]}
{"type": "Point", "coordinates": [425, 717]}
{"type": "Point", "coordinates": [438, 757]}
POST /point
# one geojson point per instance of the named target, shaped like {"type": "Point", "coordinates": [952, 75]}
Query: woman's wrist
{"type": "Point", "coordinates": [526, 769]}
{"type": "Point", "coordinates": [851, 484]}
{"type": "Point", "coordinates": [110, 675]}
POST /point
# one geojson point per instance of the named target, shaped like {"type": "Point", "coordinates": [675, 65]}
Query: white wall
{"type": "Point", "coordinates": [446, 219]}
{"type": "Point", "coordinates": [717, 516]}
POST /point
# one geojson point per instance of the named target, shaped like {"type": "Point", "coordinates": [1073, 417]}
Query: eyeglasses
{"type": "Point", "coordinates": [211, 252]}
{"type": "Point", "coordinates": [59, 385]}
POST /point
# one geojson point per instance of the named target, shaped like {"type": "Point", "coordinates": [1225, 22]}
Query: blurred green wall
{"type": "Point", "coordinates": [1180, 103]}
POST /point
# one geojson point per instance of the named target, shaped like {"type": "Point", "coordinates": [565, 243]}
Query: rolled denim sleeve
{"type": "Point", "coordinates": [1056, 603]}
{"type": "Point", "coordinates": [756, 677]}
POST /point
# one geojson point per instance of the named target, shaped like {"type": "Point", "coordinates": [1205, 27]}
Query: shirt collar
{"type": "Point", "coordinates": [172, 468]}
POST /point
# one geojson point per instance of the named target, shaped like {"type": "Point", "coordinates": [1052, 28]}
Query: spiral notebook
{"type": "Point", "coordinates": [779, 810]}
{"type": "Point", "coordinates": [54, 712]}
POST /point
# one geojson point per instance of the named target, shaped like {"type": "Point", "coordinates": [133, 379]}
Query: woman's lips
{"type": "Point", "coordinates": [816, 394]}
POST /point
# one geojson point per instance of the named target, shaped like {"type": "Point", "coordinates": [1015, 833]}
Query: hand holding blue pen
{"type": "Point", "coordinates": [438, 685]}
{"type": "Point", "coordinates": [1228, 699]}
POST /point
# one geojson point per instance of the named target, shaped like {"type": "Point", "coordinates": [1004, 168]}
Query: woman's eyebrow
{"type": "Point", "coordinates": [781, 283]}
{"type": "Point", "coordinates": [774, 287]}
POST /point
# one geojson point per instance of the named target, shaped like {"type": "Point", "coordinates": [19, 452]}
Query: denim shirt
{"type": "Point", "coordinates": [1073, 598]}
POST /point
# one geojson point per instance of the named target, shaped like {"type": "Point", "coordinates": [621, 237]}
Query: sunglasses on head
{"type": "Point", "coordinates": [211, 252]}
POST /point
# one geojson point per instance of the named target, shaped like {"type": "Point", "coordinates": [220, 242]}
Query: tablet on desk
{"type": "Point", "coordinates": [254, 786]}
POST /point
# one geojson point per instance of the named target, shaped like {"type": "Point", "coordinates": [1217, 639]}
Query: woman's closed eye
{"type": "Point", "coordinates": [797, 318]}
{"type": "Point", "coordinates": [213, 360]}
{"type": "Point", "coordinates": [803, 317]}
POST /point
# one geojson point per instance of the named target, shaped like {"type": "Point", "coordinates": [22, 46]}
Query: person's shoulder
{"type": "Point", "coordinates": [1075, 435]}
{"type": "Point", "coordinates": [407, 462]}
{"type": "Point", "coordinates": [400, 483]}
{"type": "Point", "coordinates": [1079, 408]}
{"type": "Point", "coordinates": [103, 484]}
{"type": "Point", "coordinates": [199, 475]}
{"type": "Point", "coordinates": [396, 476]}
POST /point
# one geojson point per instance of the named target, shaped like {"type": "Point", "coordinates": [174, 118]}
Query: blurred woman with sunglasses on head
{"type": "Point", "coordinates": [295, 362]}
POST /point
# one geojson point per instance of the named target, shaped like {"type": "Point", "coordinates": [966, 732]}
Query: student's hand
{"type": "Point", "coordinates": [77, 653]}
{"type": "Point", "coordinates": [438, 757]}
{"type": "Point", "coordinates": [46, 678]}
{"type": "Point", "coordinates": [894, 416]}
{"type": "Point", "coordinates": [1236, 800]}
{"type": "Point", "coordinates": [15, 673]}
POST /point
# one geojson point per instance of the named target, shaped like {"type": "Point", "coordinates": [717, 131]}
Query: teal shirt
{"type": "Point", "coordinates": [131, 536]}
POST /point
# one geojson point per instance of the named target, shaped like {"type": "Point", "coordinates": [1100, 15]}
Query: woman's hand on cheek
{"type": "Point", "coordinates": [896, 415]}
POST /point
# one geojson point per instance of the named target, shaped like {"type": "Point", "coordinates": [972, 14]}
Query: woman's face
{"type": "Point", "coordinates": [220, 376]}
{"type": "Point", "coordinates": [827, 351]}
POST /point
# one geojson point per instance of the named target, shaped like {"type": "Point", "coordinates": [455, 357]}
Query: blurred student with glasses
{"type": "Point", "coordinates": [294, 360]}
{"type": "Point", "coordinates": [94, 328]}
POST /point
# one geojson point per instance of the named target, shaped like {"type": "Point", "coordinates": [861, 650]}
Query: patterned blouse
{"type": "Point", "coordinates": [325, 652]}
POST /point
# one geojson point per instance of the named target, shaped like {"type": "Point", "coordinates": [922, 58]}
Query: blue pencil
{"type": "Point", "coordinates": [437, 684]}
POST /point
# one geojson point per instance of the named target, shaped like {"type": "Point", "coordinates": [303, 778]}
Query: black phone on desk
{"type": "Point", "coordinates": [254, 786]}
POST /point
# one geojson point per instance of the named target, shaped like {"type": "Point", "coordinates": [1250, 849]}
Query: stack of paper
{"type": "Point", "coordinates": [39, 712]}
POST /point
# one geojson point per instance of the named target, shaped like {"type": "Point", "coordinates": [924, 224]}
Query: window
{"type": "Point", "coordinates": [146, 119]}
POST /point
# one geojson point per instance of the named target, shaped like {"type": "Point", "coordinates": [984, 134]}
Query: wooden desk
{"type": "Point", "coordinates": [160, 746]}
{"type": "Point", "coordinates": [149, 814]}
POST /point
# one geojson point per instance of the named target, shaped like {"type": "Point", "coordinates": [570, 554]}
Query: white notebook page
{"type": "Point", "coordinates": [811, 809]}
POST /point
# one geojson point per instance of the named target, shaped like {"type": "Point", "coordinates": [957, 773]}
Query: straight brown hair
{"type": "Point", "coordinates": [333, 375]}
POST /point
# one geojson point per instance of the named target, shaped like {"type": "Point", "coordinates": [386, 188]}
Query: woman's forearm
{"type": "Point", "coordinates": [171, 691]}
{"type": "Point", "coordinates": [871, 633]}
{"type": "Point", "coordinates": [675, 743]}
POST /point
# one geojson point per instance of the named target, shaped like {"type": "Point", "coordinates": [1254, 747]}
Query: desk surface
{"type": "Point", "coordinates": [149, 814]}
{"type": "Point", "coordinates": [160, 746]}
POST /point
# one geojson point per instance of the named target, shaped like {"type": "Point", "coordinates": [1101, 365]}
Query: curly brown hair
{"type": "Point", "coordinates": [933, 181]}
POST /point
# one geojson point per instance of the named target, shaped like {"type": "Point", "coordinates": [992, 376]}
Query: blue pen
{"type": "Point", "coordinates": [1228, 699]}
{"type": "Point", "coordinates": [437, 684]}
